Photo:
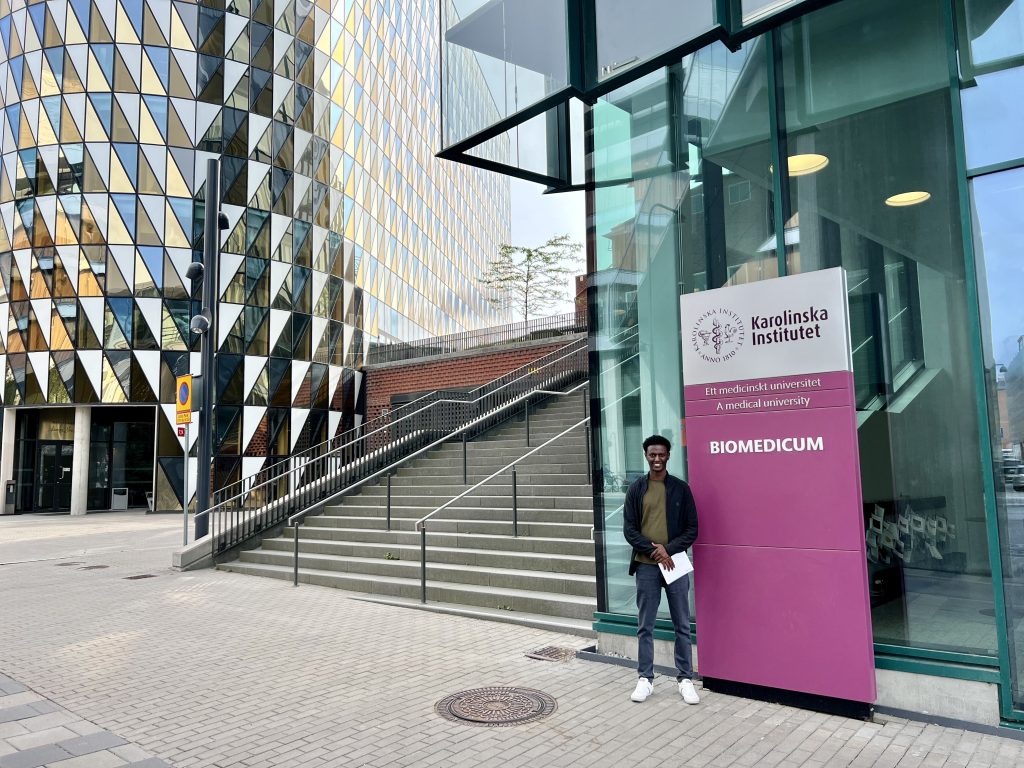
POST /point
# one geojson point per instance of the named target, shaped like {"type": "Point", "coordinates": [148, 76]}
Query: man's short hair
{"type": "Point", "coordinates": [657, 440]}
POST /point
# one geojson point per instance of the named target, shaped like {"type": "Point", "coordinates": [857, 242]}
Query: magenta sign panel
{"type": "Point", "coordinates": [780, 568]}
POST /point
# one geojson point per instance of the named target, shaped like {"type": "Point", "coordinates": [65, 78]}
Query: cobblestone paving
{"type": "Point", "coordinates": [217, 669]}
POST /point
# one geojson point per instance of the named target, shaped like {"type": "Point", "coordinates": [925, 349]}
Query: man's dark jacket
{"type": "Point", "coordinates": [680, 514]}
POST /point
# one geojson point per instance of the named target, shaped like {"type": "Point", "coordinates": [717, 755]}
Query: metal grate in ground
{"type": "Point", "coordinates": [496, 707]}
{"type": "Point", "coordinates": [552, 653]}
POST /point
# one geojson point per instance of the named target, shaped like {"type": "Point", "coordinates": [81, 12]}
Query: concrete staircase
{"type": "Point", "coordinates": [545, 577]}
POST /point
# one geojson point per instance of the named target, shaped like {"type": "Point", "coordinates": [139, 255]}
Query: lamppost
{"type": "Point", "coordinates": [205, 326]}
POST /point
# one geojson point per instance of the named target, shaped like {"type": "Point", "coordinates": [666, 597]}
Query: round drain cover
{"type": "Point", "coordinates": [497, 706]}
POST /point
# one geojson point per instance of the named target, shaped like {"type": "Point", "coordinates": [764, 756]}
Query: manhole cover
{"type": "Point", "coordinates": [93, 567]}
{"type": "Point", "coordinates": [140, 576]}
{"type": "Point", "coordinates": [496, 707]}
{"type": "Point", "coordinates": [552, 653]}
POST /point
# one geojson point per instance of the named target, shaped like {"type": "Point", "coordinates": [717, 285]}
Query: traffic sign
{"type": "Point", "coordinates": [183, 401]}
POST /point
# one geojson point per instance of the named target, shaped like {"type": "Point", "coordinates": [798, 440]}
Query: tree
{"type": "Point", "coordinates": [532, 279]}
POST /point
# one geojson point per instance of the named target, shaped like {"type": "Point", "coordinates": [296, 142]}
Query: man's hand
{"type": "Point", "coordinates": [662, 557]}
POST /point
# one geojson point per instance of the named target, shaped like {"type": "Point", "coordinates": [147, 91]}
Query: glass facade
{"type": "Point", "coordinates": [343, 228]}
{"type": "Point", "coordinates": [689, 199]}
{"type": "Point", "coordinates": [876, 136]}
{"type": "Point", "coordinates": [995, 159]}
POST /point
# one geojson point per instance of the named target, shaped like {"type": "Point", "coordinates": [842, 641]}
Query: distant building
{"type": "Point", "coordinates": [344, 229]}
{"type": "Point", "coordinates": [1013, 392]}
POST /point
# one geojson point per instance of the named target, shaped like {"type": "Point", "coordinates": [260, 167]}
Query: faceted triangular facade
{"type": "Point", "coordinates": [343, 227]}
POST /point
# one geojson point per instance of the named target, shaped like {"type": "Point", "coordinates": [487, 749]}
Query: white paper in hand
{"type": "Point", "coordinates": [683, 567]}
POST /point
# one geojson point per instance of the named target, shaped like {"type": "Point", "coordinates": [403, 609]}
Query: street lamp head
{"type": "Point", "coordinates": [200, 324]}
{"type": "Point", "coordinates": [194, 271]}
{"type": "Point", "coordinates": [222, 221]}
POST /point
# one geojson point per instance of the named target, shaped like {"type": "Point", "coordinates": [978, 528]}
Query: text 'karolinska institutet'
{"type": "Point", "coordinates": [725, 142]}
{"type": "Point", "coordinates": [343, 228]}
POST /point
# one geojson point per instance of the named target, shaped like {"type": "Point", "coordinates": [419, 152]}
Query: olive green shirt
{"type": "Point", "coordinates": [653, 521]}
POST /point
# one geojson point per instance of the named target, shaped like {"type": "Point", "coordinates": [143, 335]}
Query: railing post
{"type": "Point", "coordinates": [465, 461]}
{"type": "Point", "coordinates": [515, 504]}
{"type": "Point", "coordinates": [527, 403]}
{"type": "Point", "coordinates": [583, 393]}
{"type": "Point", "coordinates": [590, 461]}
{"type": "Point", "coordinates": [389, 501]}
{"type": "Point", "coordinates": [295, 575]}
{"type": "Point", "coordinates": [423, 563]}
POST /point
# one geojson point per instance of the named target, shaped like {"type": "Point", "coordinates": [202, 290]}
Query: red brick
{"type": "Point", "coordinates": [420, 376]}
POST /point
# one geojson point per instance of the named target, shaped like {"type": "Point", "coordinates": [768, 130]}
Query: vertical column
{"type": "Point", "coordinates": [7, 449]}
{"type": "Point", "coordinates": [80, 463]}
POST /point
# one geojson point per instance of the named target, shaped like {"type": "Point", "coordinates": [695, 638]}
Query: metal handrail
{"type": "Point", "coordinates": [298, 517]}
{"type": "Point", "coordinates": [421, 524]}
{"type": "Point", "coordinates": [392, 424]}
{"type": "Point", "coordinates": [388, 426]}
{"type": "Point", "coordinates": [312, 482]}
{"type": "Point", "coordinates": [272, 472]}
{"type": "Point", "coordinates": [570, 322]}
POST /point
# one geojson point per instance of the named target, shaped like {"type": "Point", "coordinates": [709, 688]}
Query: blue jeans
{"type": "Point", "coordinates": [649, 584]}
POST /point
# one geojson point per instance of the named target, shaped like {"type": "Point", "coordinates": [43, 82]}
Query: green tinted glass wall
{"type": "Point", "coordinates": [998, 208]}
{"type": "Point", "coordinates": [872, 186]}
{"type": "Point", "coordinates": [805, 140]}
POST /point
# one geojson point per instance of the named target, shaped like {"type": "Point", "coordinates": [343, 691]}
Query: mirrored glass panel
{"type": "Point", "coordinates": [872, 187]}
{"type": "Point", "coordinates": [630, 33]}
{"type": "Point", "coordinates": [998, 212]}
{"type": "Point", "coordinates": [756, 10]}
{"type": "Point", "coordinates": [499, 57]}
{"type": "Point", "coordinates": [995, 29]}
{"type": "Point", "coordinates": [993, 115]}
{"type": "Point", "coordinates": [682, 203]}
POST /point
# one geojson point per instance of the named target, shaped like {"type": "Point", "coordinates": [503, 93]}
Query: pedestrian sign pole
{"type": "Point", "coordinates": [183, 419]}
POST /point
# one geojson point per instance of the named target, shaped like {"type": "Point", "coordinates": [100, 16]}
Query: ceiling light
{"type": "Point", "coordinates": [804, 165]}
{"type": "Point", "coordinates": [904, 199]}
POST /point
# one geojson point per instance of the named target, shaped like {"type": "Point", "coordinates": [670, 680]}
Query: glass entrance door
{"type": "Point", "coordinates": [53, 491]}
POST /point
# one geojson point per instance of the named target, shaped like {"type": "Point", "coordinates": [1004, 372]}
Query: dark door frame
{"type": "Point", "coordinates": [59, 486]}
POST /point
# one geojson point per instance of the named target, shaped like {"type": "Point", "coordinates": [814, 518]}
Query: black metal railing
{"type": "Point", "coordinates": [521, 403]}
{"type": "Point", "coordinates": [510, 467]}
{"type": "Point", "coordinates": [285, 466]}
{"type": "Point", "coordinates": [307, 482]}
{"type": "Point", "coordinates": [513, 333]}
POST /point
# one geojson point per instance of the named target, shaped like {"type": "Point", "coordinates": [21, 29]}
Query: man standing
{"type": "Point", "coordinates": [660, 520]}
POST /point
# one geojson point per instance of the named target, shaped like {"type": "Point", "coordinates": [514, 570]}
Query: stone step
{"type": "Point", "coordinates": [499, 486]}
{"type": "Point", "coordinates": [449, 573]}
{"type": "Point", "coordinates": [577, 547]}
{"type": "Point", "coordinates": [449, 475]}
{"type": "Point", "coordinates": [538, 426]}
{"type": "Point", "coordinates": [511, 444]}
{"type": "Point", "coordinates": [544, 577]}
{"type": "Point", "coordinates": [447, 525]}
{"type": "Point", "coordinates": [570, 606]}
{"type": "Point", "coordinates": [481, 558]}
{"type": "Point", "coordinates": [527, 514]}
{"type": "Point", "coordinates": [472, 501]}
{"type": "Point", "coordinates": [565, 463]}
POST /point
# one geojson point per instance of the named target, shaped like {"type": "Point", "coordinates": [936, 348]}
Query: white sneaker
{"type": "Point", "coordinates": [688, 692]}
{"type": "Point", "coordinates": [643, 690]}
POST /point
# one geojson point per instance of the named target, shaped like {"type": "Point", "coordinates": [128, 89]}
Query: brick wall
{"type": "Point", "coordinates": [464, 370]}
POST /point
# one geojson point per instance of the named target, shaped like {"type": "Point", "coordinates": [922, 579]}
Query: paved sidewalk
{"type": "Point", "coordinates": [37, 732]}
{"type": "Point", "coordinates": [216, 669]}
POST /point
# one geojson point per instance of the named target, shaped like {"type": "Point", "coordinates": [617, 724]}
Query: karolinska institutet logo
{"type": "Point", "coordinates": [717, 335]}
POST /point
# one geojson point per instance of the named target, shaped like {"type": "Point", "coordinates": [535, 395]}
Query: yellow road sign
{"type": "Point", "coordinates": [183, 401]}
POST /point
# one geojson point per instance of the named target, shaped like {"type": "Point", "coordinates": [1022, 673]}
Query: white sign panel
{"type": "Point", "coordinates": [768, 328]}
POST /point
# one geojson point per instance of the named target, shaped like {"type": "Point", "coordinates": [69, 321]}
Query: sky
{"type": "Point", "coordinates": [537, 217]}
